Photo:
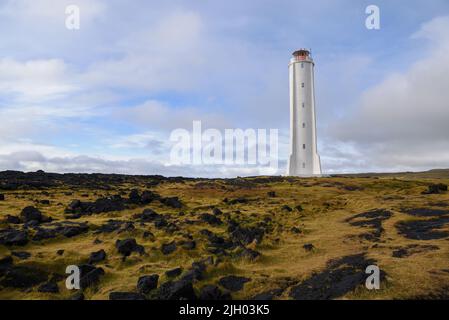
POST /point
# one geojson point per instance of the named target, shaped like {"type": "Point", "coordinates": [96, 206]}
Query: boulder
{"type": "Point", "coordinates": [23, 277]}
{"type": "Point", "coordinates": [233, 283]}
{"type": "Point", "coordinates": [145, 284]}
{"type": "Point", "coordinates": [49, 287]}
{"type": "Point", "coordinates": [13, 237]}
{"type": "Point", "coordinates": [97, 256]}
{"type": "Point", "coordinates": [210, 219]}
{"type": "Point", "coordinates": [31, 214]}
{"type": "Point", "coordinates": [173, 272]}
{"type": "Point", "coordinates": [12, 219]}
{"type": "Point", "coordinates": [435, 188]}
{"type": "Point", "coordinates": [172, 202]}
{"type": "Point", "coordinates": [23, 255]}
{"type": "Point", "coordinates": [211, 292]}
{"type": "Point", "coordinates": [90, 275]}
{"type": "Point", "coordinates": [177, 290]}
{"type": "Point", "coordinates": [308, 247]}
{"type": "Point", "coordinates": [168, 248]}
{"type": "Point", "coordinates": [128, 246]}
{"type": "Point", "coordinates": [249, 254]}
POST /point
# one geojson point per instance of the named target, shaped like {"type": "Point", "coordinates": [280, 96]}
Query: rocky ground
{"type": "Point", "coordinates": [150, 237]}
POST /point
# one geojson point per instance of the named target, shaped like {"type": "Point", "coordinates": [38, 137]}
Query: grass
{"type": "Point", "coordinates": [326, 203]}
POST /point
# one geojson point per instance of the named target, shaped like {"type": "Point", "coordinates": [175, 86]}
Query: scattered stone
{"type": "Point", "coordinates": [426, 212]}
{"type": "Point", "coordinates": [295, 230]}
{"type": "Point", "coordinates": [413, 249]}
{"type": "Point", "coordinates": [148, 234]}
{"type": "Point", "coordinates": [49, 287]}
{"type": "Point", "coordinates": [340, 277]}
{"type": "Point", "coordinates": [148, 215]}
{"type": "Point", "coordinates": [271, 194]}
{"type": "Point", "coordinates": [286, 208]}
{"type": "Point", "coordinates": [97, 256]}
{"type": "Point", "coordinates": [187, 245]}
{"type": "Point", "coordinates": [111, 226]}
{"type": "Point", "coordinates": [23, 255]}
{"type": "Point", "coordinates": [436, 189]}
{"type": "Point", "coordinates": [30, 213]}
{"type": "Point", "coordinates": [247, 235]}
{"type": "Point", "coordinates": [13, 237]}
{"type": "Point", "coordinates": [128, 246]}
{"type": "Point", "coordinates": [101, 205]}
{"type": "Point", "coordinates": [424, 229]}
{"type": "Point", "coordinates": [12, 219]}
{"type": "Point", "coordinates": [177, 290]}
{"type": "Point", "coordinates": [249, 254]}
{"type": "Point", "coordinates": [60, 252]}
{"type": "Point", "coordinates": [236, 201]}
{"type": "Point", "coordinates": [23, 277]}
{"type": "Point", "coordinates": [168, 248]}
{"type": "Point", "coordinates": [308, 247]}
{"type": "Point", "coordinates": [90, 275]}
{"type": "Point", "coordinates": [372, 219]}
{"type": "Point", "coordinates": [211, 292]}
{"type": "Point", "coordinates": [210, 219]}
{"type": "Point", "coordinates": [2, 197]}
{"type": "Point", "coordinates": [173, 272]}
{"type": "Point", "coordinates": [233, 283]}
{"type": "Point", "coordinates": [147, 283]}
{"type": "Point", "coordinates": [67, 229]}
{"type": "Point", "coordinates": [126, 296]}
{"type": "Point", "coordinates": [172, 202]}
{"type": "Point", "coordinates": [268, 295]}
{"type": "Point", "coordinates": [217, 212]}
{"type": "Point", "coordinates": [79, 296]}
{"type": "Point", "coordinates": [45, 202]}
{"type": "Point", "coordinates": [160, 223]}
{"type": "Point", "coordinates": [299, 208]}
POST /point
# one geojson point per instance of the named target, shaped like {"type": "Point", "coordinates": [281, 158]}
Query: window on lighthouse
{"type": "Point", "coordinates": [303, 125]}
{"type": "Point", "coordinates": [303, 104]}
{"type": "Point", "coordinates": [303, 146]}
{"type": "Point", "coordinates": [302, 64]}
{"type": "Point", "coordinates": [302, 85]}
{"type": "Point", "coordinates": [304, 165]}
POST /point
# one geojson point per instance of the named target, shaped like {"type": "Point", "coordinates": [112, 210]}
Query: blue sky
{"type": "Point", "coordinates": [106, 97]}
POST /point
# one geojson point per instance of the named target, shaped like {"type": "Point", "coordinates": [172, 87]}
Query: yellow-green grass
{"type": "Point", "coordinates": [326, 204]}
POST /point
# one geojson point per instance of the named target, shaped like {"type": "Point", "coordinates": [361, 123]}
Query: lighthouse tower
{"type": "Point", "coordinates": [304, 159]}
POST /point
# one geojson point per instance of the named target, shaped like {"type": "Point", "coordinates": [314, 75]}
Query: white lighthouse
{"type": "Point", "coordinates": [304, 159]}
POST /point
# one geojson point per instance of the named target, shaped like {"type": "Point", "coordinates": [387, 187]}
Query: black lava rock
{"type": "Point", "coordinates": [128, 246]}
{"type": "Point", "coordinates": [173, 272]}
{"type": "Point", "coordinates": [31, 214]}
{"type": "Point", "coordinates": [177, 290]}
{"type": "Point", "coordinates": [168, 248]}
{"type": "Point", "coordinates": [233, 283]}
{"type": "Point", "coordinates": [49, 287]}
{"type": "Point", "coordinates": [211, 292]}
{"type": "Point", "coordinates": [147, 283]}
{"type": "Point", "coordinates": [97, 256]}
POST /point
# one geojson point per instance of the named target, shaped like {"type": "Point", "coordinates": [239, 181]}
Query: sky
{"type": "Point", "coordinates": [105, 98]}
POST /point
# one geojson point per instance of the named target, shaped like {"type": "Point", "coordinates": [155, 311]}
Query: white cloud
{"type": "Point", "coordinates": [402, 122]}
